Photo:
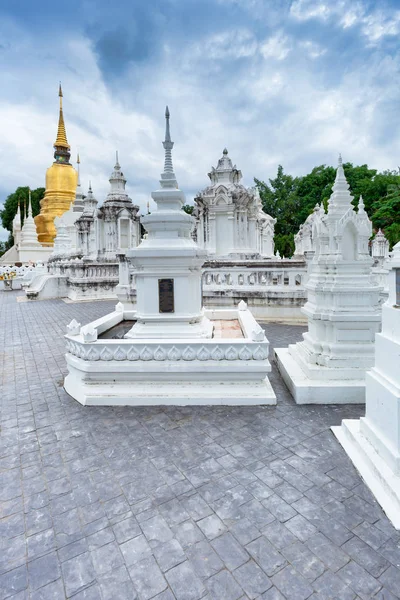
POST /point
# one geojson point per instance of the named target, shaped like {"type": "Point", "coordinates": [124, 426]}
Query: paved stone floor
{"type": "Point", "coordinates": [177, 503]}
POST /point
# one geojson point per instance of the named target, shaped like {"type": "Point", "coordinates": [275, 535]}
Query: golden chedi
{"type": "Point", "coordinates": [61, 182]}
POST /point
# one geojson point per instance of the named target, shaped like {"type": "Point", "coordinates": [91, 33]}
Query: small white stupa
{"type": "Point", "coordinates": [342, 309]}
{"type": "Point", "coordinates": [168, 248]}
{"type": "Point", "coordinates": [373, 442]}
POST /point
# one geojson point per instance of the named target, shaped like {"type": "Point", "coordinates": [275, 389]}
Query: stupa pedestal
{"type": "Point", "coordinates": [373, 442]}
{"type": "Point", "coordinates": [342, 309]}
{"type": "Point", "coordinates": [175, 352]}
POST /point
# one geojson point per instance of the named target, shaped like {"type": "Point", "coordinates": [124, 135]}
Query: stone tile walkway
{"type": "Point", "coordinates": [176, 503]}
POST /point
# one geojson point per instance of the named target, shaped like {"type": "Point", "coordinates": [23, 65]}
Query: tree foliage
{"type": "Point", "coordinates": [291, 199]}
{"type": "Point", "coordinates": [10, 207]}
{"type": "Point", "coordinates": [188, 208]}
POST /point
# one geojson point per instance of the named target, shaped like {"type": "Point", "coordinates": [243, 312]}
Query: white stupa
{"type": "Point", "coordinates": [169, 248]}
{"type": "Point", "coordinates": [342, 308]}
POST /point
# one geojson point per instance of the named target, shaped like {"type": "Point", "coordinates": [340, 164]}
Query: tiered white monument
{"type": "Point", "coordinates": [342, 309]}
{"type": "Point", "coordinates": [176, 352]}
{"type": "Point", "coordinates": [230, 221]}
{"type": "Point", "coordinates": [373, 442]}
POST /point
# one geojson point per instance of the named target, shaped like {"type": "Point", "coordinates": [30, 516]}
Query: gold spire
{"type": "Point", "coordinates": [61, 140]}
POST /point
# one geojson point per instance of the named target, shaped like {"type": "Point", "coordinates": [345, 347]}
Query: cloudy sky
{"type": "Point", "coordinates": [276, 81]}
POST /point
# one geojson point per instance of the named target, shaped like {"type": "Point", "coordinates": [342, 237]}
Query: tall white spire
{"type": "Point", "coordinates": [340, 200]}
{"type": "Point", "coordinates": [78, 204]}
{"type": "Point", "coordinates": [168, 179]}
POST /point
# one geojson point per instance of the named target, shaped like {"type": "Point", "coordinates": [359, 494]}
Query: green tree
{"type": "Point", "coordinates": [280, 200]}
{"type": "Point", "coordinates": [387, 213]}
{"type": "Point", "coordinates": [20, 195]}
{"type": "Point", "coordinates": [188, 208]}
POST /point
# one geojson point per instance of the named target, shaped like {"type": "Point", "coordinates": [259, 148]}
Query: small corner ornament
{"type": "Point", "coordinates": [89, 333]}
{"type": "Point", "coordinates": [242, 305]}
{"type": "Point", "coordinates": [119, 307]}
{"type": "Point", "coordinates": [74, 328]}
{"type": "Point", "coordinates": [258, 335]}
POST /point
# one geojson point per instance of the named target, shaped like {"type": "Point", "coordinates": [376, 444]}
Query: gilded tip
{"type": "Point", "coordinates": [78, 160]}
{"type": "Point", "coordinates": [60, 90]}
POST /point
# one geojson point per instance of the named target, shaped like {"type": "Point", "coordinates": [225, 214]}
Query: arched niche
{"type": "Point", "coordinates": [349, 242]}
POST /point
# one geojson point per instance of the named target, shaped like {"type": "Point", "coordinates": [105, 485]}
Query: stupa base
{"type": "Point", "coordinates": [231, 368]}
{"type": "Point", "coordinates": [381, 480]}
{"type": "Point", "coordinates": [321, 388]}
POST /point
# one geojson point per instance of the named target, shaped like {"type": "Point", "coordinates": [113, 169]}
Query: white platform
{"type": "Point", "coordinates": [164, 393]}
{"type": "Point", "coordinates": [321, 388]}
{"type": "Point", "coordinates": [129, 372]}
{"type": "Point", "coordinates": [381, 480]}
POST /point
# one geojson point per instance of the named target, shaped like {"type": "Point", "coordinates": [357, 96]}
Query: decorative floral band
{"type": "Point", "coordinates": [132, 353]}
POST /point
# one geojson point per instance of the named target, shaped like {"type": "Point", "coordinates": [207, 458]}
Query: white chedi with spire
{"type": "Point", "coordinates": [17, 227]}
{"type": "Point", "coordinates": [29, 238]}
{"type": "Point", "coordinates": [168, 265]}
{"type": "Point", "coordinates": [342, 307]}
{"type": "Point", "coordinates": [230, 221]}
{"type": "Point", "coordinates": [118, 224]}
{"type": "Point", "coordinates": [86, 227]}
{"type": "Point", "coordinates": [79, 197]}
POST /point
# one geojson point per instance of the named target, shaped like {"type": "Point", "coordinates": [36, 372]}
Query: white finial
{"type": "Point", "coordinates": [117, 165]}
{"type": "Point", "coordinates": [168, 145]}
{"type": "Point", "coordinates": [30, 204]}
{"type": "Point", "coordinates": [361, 206]}
{"type": "Point", "coordinates": [90, 188]}
{"type": "Point", "coordinates": [340, 162]}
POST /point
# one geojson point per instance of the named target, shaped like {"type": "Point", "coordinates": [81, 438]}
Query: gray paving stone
{"type": "Point", "coordinates": [43, 570]}
{"type": "Point", "coordinates": [135, 549]}
{"type": "Point", "coordinates": [252, 579]}
{"type": "Point", "coordinates": [358, 579]}
{"type": "Point", "coordinates": [78, 573]}
{"type": "Point", "coordinates": [391, 580]}
{"type": "Point", "coordinates": [230, 551]}
{"type": "Point", "coordinates": [13, 581]}
{"type": "Point", "coordinates": [156, 530]}
{"type": "Point", "coordinates": [117, 585]}
{"type": "Point", "coordinates": [329, 585]}
{"type": "Point", "coordinates": [365, 556]}
{"type": "Point", "coordinates": [304, 561]}
{"type": "Point", "coordinates": [126, 529]}
{"type": "Point", "coordinates": [223, 586]}
{"type": "Point", "coordinates": [278, 534]}
{"type": "Point", "coordinates": [184, 582]}
{"type": "Point", "coordinates": [204, 559]}
{"type": "Point", "coordinates": [106, 558]}
{"type": "Point", "coordinates": [52, 591]}
{"type": "Point", "coordinates": [332, 556]}
{"type": "Point", "coordinates": [264, 553]}
{"type": "Point", "coordinates": [273, 594]}
{"type": "Point", "coordinates": [187, 533]}
{"type": "Point", "coordinates": [301, 528]}
{"type": "Point", "coordinates": [147, 578]}
{"type": "Point", "coordinates": [169, 554]}
{"type": "Point", "coordinates": [245, 531]}
{"type": "Point", "coordinates": [211, 526]}
{"type": "Point", "coordinates": [291, 584]}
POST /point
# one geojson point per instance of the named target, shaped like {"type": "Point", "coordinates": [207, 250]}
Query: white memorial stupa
{"type": "Point", "coordinates": [342, 308]}
{"type": "Point", "coordinates": [175, 352]}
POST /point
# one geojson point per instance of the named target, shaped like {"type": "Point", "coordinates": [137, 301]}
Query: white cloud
{"type": "Point", "coordinates": [374, 24]}
{"type": "Point", "coordinates": [277, 46]}
{"type": "Point", "coordinates": [312, 49]}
